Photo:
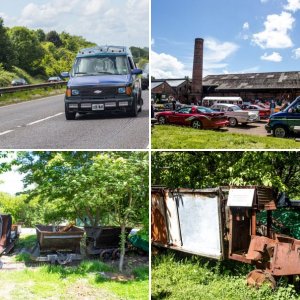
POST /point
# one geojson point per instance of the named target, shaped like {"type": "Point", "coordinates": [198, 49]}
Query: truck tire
{"type": "Point", "coordinates": [69, 115]}
{"type": "Point", "coordinates": [280, 131]}
{"type": "Point", "coordinates": [134, 109]}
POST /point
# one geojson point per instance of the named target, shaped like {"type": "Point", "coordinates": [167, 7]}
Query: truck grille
{"type": "Point", "coordinates": [105, 92]}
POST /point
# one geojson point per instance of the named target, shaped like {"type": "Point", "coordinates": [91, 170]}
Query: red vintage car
{"type": "Point", "coordinates": [196, 116]}
{"type": "Point", "coordinates": [264, 113]}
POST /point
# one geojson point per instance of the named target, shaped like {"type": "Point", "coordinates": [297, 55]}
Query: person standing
{"type": "Point", "coordinates": [272, 107]}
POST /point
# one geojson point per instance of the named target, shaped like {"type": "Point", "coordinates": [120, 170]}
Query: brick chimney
{"type": "Point", "coordinates": [197, 70]}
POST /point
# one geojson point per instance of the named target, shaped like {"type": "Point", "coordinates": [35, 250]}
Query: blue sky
{"type": "Point", "coordinates": [119, 22]}
{"type": "Point", "coordinates": [239, 36]}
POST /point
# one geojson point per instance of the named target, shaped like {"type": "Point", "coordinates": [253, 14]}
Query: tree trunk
{"type": "Point", "coordinates": [122, 246]}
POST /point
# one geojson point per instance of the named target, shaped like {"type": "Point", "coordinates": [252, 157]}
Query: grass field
{"type": "Point", "coordinates": [22, 96]}
{"type": "Point", "coordinates": [194, 278]}
{"type": "Point", "coordinates": [89, 280]}
{"type": "Point", "coordinates": [175, 137]}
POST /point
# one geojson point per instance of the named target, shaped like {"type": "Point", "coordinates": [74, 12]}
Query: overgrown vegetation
{"type": "Point", "coordinates": [197, 278]}
{"type": "Point", "coordinates": [36, 55]}
{"type": "Point", "coordinates": [174, 137]}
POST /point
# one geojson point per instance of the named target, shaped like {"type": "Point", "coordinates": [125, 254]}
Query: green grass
{"type": "Point", "coordinates": [194, 278]}
{"type": "Point", "coordinates": [175, 137]}
{"type": "Point", "coordinates": [28, 95]}
{"type": "Point", "coordinates": [57, 282]}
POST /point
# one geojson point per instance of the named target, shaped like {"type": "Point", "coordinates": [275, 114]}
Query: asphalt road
{"type": "Point", "coordinates": [41, 124]}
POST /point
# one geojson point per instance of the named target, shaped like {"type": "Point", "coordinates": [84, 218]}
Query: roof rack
{"type": "Point", "coordinates": [104, 49]}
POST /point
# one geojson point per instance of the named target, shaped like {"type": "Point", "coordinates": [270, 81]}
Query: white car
{"type": "Point", "coordinates": [235, 114]}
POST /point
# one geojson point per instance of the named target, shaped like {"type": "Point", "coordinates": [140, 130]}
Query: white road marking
{"type": "Point", "coordinates": [41, 120]}
{"type": "Point", "coordinates": [5, 132]}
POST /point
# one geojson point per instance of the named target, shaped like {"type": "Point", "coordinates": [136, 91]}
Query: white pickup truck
{"type": "Point", "coordinates": [235, 114]}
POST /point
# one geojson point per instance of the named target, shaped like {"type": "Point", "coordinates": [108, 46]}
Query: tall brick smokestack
{"type": "Point", "coordinates": [197, 70]}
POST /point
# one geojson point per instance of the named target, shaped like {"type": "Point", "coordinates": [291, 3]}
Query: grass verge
{"type": "Point", "coordinates": [80, 282]}
{"type": "Point", "coordinates": [194, 278]}
{"type": "Point", "coordinates": [175, 137]}
{"type": "Point", "coordinates": [22, 96]}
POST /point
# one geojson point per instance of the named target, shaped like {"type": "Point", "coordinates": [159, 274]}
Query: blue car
{"type": "Point", "coordinates": [283, 123]}
{"type": "Point", "coordinates": [103, 79]}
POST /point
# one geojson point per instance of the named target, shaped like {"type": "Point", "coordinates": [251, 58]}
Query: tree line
{"type": "Point", "coordinates": [44, 54]}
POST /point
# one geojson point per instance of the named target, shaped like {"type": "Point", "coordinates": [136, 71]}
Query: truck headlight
{"type": "Point", "coordinates": [75, 92]}
{"type": "Point", "coordinates": [121, 90]}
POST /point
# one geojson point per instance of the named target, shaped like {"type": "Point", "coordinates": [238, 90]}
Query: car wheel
{"type": "Point", "coordinates": [233, 122]}
{"type": "Point", "coordinates": [280, 131]}
{"type": "Point", "coordinates": [134, 110]}
{"type": "Point", "coordinates": [70, 115]}
{"type": "Point", "coordinates": [141, 104]}
{"type": "Point", "coordinates": [197, 124]}
{"type": "Point", "coordinates": [162, 120]}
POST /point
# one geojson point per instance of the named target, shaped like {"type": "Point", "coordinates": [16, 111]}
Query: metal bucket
{"type": "Point", "coordinates": [52, 238]}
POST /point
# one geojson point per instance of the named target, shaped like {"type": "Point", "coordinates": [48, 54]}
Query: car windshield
{"type": "Point", "coordinates": [234, 108]}
{"type": "Point", "coordinates": [202, 109]}
{"type": "Point", "coordinates": [97, 65]}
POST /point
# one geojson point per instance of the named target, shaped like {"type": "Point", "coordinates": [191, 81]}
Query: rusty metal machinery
{"type": "Point", "coordinates": [222, 223]}
{"type": "Point", "coordinates": [104, 241]}
{"type": "Point", "coordinates": [9, 234]}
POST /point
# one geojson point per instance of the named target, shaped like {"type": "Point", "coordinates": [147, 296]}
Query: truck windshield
{"type": "Point", "coordinates": [100, 65]}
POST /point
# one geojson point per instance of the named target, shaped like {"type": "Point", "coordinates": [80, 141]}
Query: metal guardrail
{"type": "Point", "coordinates": [12, 89]}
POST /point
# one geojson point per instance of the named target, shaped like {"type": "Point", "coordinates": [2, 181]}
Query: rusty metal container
{"type": "Point", "coordinates": [188, 220]}
{"type": "Point", "coordinates": [53, 238]}
{"type": "Point", "coordinates": [104, 237]}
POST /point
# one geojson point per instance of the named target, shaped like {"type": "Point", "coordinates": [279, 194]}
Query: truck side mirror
{"type": "Point", "coordinates": [136, 71]}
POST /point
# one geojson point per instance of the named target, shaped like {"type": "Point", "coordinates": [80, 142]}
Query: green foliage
{"type": "Point", "coordinates": [27, 48]}
{"type": "Point", "coordinates": [53, 37]}
{"type": "Point", "coordinates": [140, 55]}
{"type": "Point", "coordinates": [174, 278]}
{"type": "Point", "coordinates": [211, 169]}
{"type": "Point", "coordinates": [7, 54]}
{"type": "Point", "coordinates": [175, 137]}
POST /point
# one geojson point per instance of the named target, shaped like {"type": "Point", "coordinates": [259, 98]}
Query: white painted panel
{"type": "Point", "coordinates": [240, 197]}
{"type": "Point", "coordinates": [172, 219]}
{"type": "Point", "coordinates": [200, 224]}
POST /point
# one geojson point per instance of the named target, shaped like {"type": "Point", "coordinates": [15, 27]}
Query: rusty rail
{"type": "Point", "coordinates": [12, 89]}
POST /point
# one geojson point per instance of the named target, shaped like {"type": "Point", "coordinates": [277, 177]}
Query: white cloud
{"type": "Point", "coordinates": [275, 57]}
{"type": "Point", "coordinates": [215, 53]}
{"type": "Point", "coordinates": [296, 53]}
{"type": "Point", "coordinates": [122, 22]}
{"type": "Point", "coordinates": [292, 5]}
{"type": "Point", "coordinates": [276, 32]}
{"type": "Point", "coordinates": [264, 1]}
{"type": "Point", "coordinates": [167, 66]}
{"type": "Point", "coordinates": [246, 26]}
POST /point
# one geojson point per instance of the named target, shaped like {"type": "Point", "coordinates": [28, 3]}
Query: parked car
{"type": "Point", "coordinates": [160, 104]}
{"type": "Point", "coordinates": [264, 113]}
{"type": "Point", "coordinates": [145, 77]}
{"type": "Point", "coordinates": [54, 79]}
{"type": "Point", "coordinates": [196, 116]}
{"type": "Point", "coordinates": [283, 123]}
{"type": "Point", "coordinates": [103, 79]}
{"type": "Point", "coordinates": [19, 81]}
{"type": "Point", "coordinates": [235, 114]}
{"type": "Point", "coordinates": [169, 105]}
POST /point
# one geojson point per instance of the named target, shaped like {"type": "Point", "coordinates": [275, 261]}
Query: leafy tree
{"type": "Point", "coordinates": [7, 54]}
{"type": "Point", "coordinates": [41, 35]}
{"type": "Point", "coordinates": [27, 47]}
{"type": "Point", "coordinates": [210, 169]}
{"type": "Point", "coordinates": [53, 37]}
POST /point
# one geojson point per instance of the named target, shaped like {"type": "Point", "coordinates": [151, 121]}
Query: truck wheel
{"type": "Point", "coordinates": [134, 109]}
{"type": "Point", "coordinates": [197, 124]}
{"type": "Point", "coordinates": [233, 122]}
{"type": "Point", "coordinates": [69, 115]}
{"type": "Point", "coordinates": [280, 131]}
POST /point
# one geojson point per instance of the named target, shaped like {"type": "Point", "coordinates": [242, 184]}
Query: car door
{"type": "Point", "coordinates": [293, 115]}
{"type": "Point", "coordinates": [179, 116]}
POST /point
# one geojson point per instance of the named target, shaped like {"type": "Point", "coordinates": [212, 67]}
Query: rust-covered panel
{"type": "Point", "coordinates": [54, 238]}
{"type": "Point", "coordinates": [158, 220]}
